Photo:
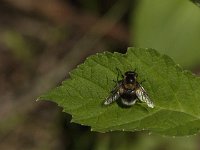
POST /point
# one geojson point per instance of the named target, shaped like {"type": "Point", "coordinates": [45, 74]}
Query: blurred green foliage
{"type": "Point", "coordinates": [90, 6]}
{"type": "Point", "coordinates": [171, 26]}
{"type": "Point", "coordinates": [19, 46]}
{"type": "Point", "coordinates": [197, 2]}
{"type": "Point", "coordinates": [143, 141]}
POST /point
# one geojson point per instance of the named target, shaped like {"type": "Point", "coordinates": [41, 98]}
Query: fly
{"type": "Point", "coordinates": [129, 90]}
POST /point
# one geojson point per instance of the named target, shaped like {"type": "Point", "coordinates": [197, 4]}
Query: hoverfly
{"type": "Point", "coordinates": [129, 90]}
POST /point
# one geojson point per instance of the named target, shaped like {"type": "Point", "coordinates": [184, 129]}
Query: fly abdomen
{"type": "Point", "coordinates": [128, 102]}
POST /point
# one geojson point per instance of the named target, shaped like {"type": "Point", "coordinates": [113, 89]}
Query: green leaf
{"type": "Point", "coordinates": [175, 93]}
{"type": "Point", "coordinates": [170, 26]}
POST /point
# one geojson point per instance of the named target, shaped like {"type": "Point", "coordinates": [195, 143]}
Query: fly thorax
{"type": "Point", "coordinates": [129, 86]}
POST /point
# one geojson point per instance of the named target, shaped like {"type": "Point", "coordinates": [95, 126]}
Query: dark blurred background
{"type": "Point", "coordinates": [41, 41]}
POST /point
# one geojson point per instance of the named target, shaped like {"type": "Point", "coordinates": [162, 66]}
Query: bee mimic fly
{"type": "Point", "coordinates": [129, 90]}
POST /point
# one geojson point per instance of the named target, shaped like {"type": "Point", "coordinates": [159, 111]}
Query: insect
{"type": "Point", "coordinates": [129, 90]}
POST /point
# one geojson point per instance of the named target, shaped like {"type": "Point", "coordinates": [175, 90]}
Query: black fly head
{"type": "Point", "coordinates": [130, 77]}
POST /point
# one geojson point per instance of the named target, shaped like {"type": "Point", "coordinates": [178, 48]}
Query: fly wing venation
{"type": "Point", "coordinates": [143, 96]}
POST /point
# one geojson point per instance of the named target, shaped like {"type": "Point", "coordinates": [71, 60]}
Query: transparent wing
{"type": "Point", "coordinates": [143, 96]}
{"type": "Point", "coordinates": [114, 95]}
{"type": "Point", "coordinates": [112, 98]}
